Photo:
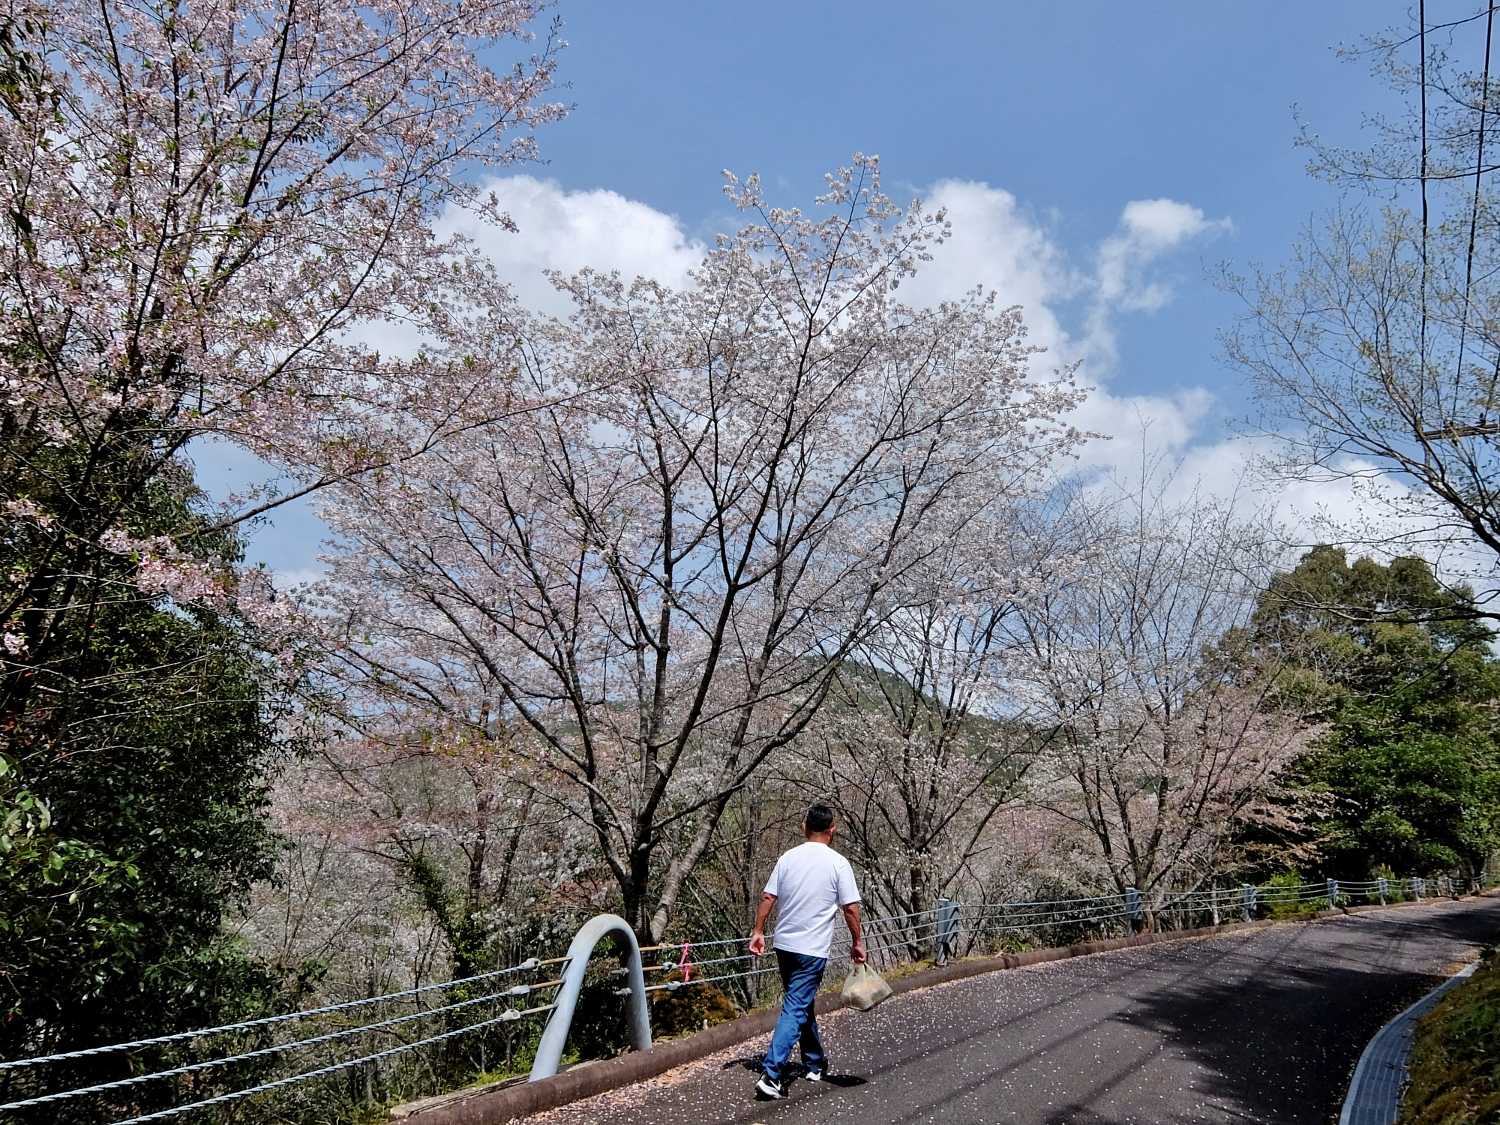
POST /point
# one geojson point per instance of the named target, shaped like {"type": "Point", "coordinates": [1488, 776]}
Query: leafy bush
{"type": "Point", "coordinates": [1397, 890]}
{"type": "Point", "coordinates": [689, 1009]}
{"type": "Point", "coordinates": [601, 1025]}
{"type": "Point", "coordinates": [1286, 907]}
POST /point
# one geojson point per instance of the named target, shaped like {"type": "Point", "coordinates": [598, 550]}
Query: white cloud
{"type": "Point", "coordinates": [996, 243]}
{"type": "Point", "coordinates": [1149, 229]}
{"type": "Point", "coordinates": [999, 244]}
{"type": "Point", "coordinates": [1071, 303]}
{"type": "Point", "coordinates": [1369, 511]}
{"type": "Point", "coordinates": [570, 230]}
{"type": "Point", "coordinates": [559, 230]}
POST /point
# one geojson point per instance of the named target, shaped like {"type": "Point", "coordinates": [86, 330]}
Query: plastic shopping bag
{"type": "Point", "coordinates": [864, 988]}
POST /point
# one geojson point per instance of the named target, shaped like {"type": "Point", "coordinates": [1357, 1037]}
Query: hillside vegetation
{"type": "Point", "coordinates": [1455, 1062]}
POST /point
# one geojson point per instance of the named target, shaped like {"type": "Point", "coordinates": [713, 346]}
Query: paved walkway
{"type": "Point", "coordinates": [1257, 1027]}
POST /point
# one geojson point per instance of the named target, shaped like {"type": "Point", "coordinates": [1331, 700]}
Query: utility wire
{"type": "Point", "coordinates": [1422, 176]}
{"type": "Point", "coordinates": [1484, 100]}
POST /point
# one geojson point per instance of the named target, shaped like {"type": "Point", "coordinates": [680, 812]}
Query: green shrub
{"type": "Point", "coordinates": [689, 1009]}
{"type": "Point", "coordinates": [1282, 909]}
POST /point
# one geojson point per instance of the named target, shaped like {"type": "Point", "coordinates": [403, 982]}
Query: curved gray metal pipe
{"type": "Point", "coordinates": [555, 1037]}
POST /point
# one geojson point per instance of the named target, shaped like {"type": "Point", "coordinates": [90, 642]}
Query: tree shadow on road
{"type": "Point", "coordinates": [1280, 1044]}
{"type": "Point", "coordinates": [1263, 1026]}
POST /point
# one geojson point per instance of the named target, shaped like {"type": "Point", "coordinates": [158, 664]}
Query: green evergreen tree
{"type": "Point", "coordinates": [135, 762]}
{"type": "Point", "coordinates": [1401, 672]}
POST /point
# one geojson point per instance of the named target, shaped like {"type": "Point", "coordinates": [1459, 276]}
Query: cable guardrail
{"type": "Point", "coordinates": [267, 1021]}
{"type": "Point", "coordinates": [264, 1052]}
{"type": "Point", "coordinates": [1043, 914]}
{"type": "Point", "coordinates": [119, 1093]}
{"type": "Point", "coordinates": [890, 938]}
{"type": "Point", "coordinates": [266, 1087]}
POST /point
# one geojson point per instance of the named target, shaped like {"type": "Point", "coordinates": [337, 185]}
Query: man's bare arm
{"type": "Point", "coordinates": [851, 919]}
{"type": "Point", "coordinates": [758, 933]}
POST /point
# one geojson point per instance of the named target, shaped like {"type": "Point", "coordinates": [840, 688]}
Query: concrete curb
{"type": "Point", "coordinates": [491, 1106]}
{"type": "Point", "coordinates": [1379, 1080]}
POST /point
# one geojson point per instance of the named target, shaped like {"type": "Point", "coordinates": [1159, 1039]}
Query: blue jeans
{"type": "Point", "coordinates": [798, 1023]}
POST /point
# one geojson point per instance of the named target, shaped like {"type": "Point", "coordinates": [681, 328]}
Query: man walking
{"type": "Point", "coordinates": [809, 886]}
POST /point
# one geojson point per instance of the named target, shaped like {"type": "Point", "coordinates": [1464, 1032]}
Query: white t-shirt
{"type": "Point", "coordinates": [810, 883]}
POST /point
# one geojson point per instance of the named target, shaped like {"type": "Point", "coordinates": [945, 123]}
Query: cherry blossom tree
{"type": "Point", "coordinates": [659, 575]}
{"type": "Point", "coordinates": [920, 747]}
{"type": "Point", "coordinates": [205, 206]}
{"type": "Point", "coordinates": [441, 853]}
{"type": "Point", "coordinates": [207, 213]}
{"type": "Point", "coordinates": [1164, 735]}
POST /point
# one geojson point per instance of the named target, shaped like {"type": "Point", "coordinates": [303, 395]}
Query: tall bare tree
{"type": "Point", "coordinates": [660, 575]}
{"type": "Point", "coordinates": [1375, 352]}
{"type": "Point", "coordinates": [918, 748]}
{"type": "Point", "coordinates": [1164, 740]}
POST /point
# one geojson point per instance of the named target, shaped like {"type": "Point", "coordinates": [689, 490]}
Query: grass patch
{"type": "Point", "coordinates": [1455, 1060]}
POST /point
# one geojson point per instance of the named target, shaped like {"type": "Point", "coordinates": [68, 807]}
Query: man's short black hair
{"type": "Point", "coordinates": [819, 819]}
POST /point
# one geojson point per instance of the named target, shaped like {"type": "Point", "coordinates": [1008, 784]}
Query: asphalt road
{"type": "Point", "coordinates": [1262, 1026]}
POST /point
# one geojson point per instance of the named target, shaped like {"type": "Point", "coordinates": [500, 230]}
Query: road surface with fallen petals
{"type": "Point", "coordinates": [1255, 1026]}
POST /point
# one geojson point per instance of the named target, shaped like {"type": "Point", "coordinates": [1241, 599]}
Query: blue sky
{"type": "Point", "coordinates": [1040, 123]}
{"type": "Point", "coordinates": [1073, 108]}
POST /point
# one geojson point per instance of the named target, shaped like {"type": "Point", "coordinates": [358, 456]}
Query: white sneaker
{"type": "Point", "coordinates": [768, 1087]}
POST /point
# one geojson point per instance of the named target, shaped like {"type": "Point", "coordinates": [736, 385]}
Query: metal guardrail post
{"type": "Point", "coordinates": [1333, 894]}
{"type": "Point", "coordinates": [1418, 885]}
{"type": "Point", "coordinates": [947, 930]}
{"type": "Point", "coordinates": [1133, 907]}
{"type": "Point", "coordinates": [555, 1037]}
{"type": "Point", "coordinates": [1383, 888]}
{"type": "Point", "coordinates": [1247, 901]}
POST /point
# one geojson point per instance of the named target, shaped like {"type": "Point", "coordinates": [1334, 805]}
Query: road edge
{"type": "Point", "coordinates": [497, 1104]}
{"type": "Point", "coordinates": [1374, 1096]}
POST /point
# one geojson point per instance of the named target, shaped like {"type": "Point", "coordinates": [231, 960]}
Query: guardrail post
{"type": "Point", "coordinates": [1418, 885]}
{"type": "Point", "coordinates": [1213, 905]}
{"type": "Point", "coordinates": [1134, 909]}
{"type": "Point", "coordinates": [1382, 888]}
{"type": "Point", "coordinates": [555, 1037]}
{"type": "Point", "coordinates": [947, 930]}
{"type": "Point", "coordinates": [1333, 894]}
{"type": "Point", "coordinates": [1247, 901]}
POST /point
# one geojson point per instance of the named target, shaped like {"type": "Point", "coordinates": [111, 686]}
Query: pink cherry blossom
{"type": "Point", "coordinates": [206, 204]}
{"type": "Point", "coordinates": [721, 490]}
